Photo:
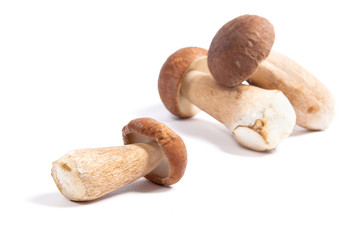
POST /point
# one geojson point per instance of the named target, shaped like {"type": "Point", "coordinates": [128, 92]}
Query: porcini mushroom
{"type": "Point", "coordinates": [259, 119]}
{"type": "Point", "coordinates": [241, 50]}
{"type": "Point", "coordinates": [151, 149]}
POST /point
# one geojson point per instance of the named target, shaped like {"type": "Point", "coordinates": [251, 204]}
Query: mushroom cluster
{"type": "Point", "coordinates": [243, 47]}
{"type": "Point", "coordinates": [260, 114]}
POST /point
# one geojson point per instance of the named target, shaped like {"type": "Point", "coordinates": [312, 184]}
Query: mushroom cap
{"type": "Point", "coordinates": [170, 77]}
{"type": "Point", "coordinates": [145, 130]}
{"type": "Point", "coordinates": [239, 47]}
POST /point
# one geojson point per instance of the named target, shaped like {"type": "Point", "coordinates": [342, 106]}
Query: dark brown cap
{"type": "Point", "coordinates": [144, 130]}
{"type": "Point", "coordinates": [239, 47]}
{"type": "Point", "coordinates": [170, 77]}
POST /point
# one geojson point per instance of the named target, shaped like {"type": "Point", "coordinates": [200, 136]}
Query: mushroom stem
{"type": "Point", "coordinates": [87, 174]}
{"type": "Point", "coordinates": [259, 119]}
{"type": "Point", "coordinates": [313, 103]}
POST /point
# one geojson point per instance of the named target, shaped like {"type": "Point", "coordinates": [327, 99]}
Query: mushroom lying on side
{"type": "Point", "coordinates": [259, 119]}
{"type": "Point", "coordinates": [151, 149]}
{"type": "Point", "coordinates": [243, 47]}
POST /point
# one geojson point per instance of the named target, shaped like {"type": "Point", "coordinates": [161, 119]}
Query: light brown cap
{"type": "Point", "coordinates": [239, 47]}
{"type": "Point", "coordinates": [170, 77]}
{"type": "Point", "coordinates": [144, 130]}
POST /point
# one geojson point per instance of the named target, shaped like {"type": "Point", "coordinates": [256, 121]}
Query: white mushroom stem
{"type": "Point", "coordinates": [313, 103]}
{"type": "Point", "coordinates": [87, 174]}
{"type": "Point", "coordinates": [259, 119]}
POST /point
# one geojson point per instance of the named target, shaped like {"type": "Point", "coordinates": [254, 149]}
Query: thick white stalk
{"type": "Point", "coordinates": [313, 103]}
{"type": "Point", "coordinates": [87, 174]}
{"type": "Point", "coordinates": [259, 119]}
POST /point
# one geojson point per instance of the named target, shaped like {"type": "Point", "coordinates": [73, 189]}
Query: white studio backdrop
{"type": "Point", "coordinates": [73, 73]}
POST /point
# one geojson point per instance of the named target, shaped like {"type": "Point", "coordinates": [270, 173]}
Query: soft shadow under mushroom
{"type": "Point", "coordinates": [299, 131]}
{"type": "Point", "coordinates": [203, 129]}
{"type": "Point", "coordinates": [215, 133]}
{"type": "Point", "coordinates": [55, 199]}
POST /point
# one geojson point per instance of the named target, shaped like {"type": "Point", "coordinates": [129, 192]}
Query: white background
{"type": "Point", "coordinates": [73, 73]}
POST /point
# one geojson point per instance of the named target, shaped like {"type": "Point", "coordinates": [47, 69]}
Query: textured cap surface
{"type": "Point", "coordinates": [239, 47]}
{"type": "Point", "coordinates": [170, 77]}
{"type": "Point", "coordinates": [143, 130]}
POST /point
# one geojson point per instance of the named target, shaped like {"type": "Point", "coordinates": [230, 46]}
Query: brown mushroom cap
{"type": "Point", "coordinates": [144, 130]}
{"type": "Point", "coordinates": [170, 77]}
{"type": "Point", "coordinates": [239, 47]}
